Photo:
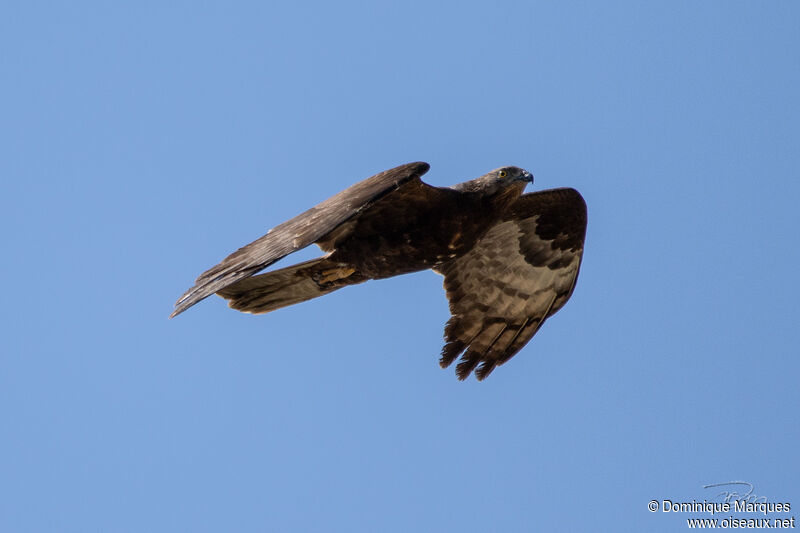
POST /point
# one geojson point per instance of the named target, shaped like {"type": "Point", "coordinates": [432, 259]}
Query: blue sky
{"type": "Point", "coordinates": [141, 143]}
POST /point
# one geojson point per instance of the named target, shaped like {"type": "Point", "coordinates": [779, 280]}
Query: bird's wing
{"type": "Point", "coordinates": [521, 272]}
{"type": "Point", "coordinates": [299, 232]}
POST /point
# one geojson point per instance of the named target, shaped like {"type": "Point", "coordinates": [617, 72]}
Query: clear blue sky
{"type": "Point", "coordinates": [141, 143]}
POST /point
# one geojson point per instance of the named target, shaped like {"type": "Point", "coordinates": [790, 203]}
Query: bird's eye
{"type": "Point", "coordinates": [502, 173]}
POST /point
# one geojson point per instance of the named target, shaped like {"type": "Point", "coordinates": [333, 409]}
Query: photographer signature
{"type": "Point", "coordinates": [734, 496]}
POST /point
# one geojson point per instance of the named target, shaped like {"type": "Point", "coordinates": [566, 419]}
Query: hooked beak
{"type": "Point", "coordinates": [526, 176]}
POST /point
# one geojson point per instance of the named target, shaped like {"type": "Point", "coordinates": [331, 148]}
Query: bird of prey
{"type": "Point", "coordinates": [509, 260]}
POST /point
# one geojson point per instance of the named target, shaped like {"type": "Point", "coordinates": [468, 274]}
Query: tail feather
{"type": "Point", "coordinates": [286, 286]}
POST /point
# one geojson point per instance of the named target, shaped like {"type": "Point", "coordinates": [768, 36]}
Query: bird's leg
{"type": "Point", "coordinates": [333, 274]}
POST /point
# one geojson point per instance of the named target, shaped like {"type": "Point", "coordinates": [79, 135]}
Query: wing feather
{"type": "Point", "coordinates": [299, 232]}
{"type": "Point", "coordinates": [520, 273]}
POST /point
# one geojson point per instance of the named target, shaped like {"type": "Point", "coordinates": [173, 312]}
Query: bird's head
{"type": "Point", "coordinates": [498, 180]}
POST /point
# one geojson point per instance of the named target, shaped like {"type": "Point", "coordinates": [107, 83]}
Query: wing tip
{"type": "Point", "coordinates": [467, 364]}
{"type": "Point", "coordinates": [180, 307]}
{"type": "Point", "coordinates": [186, 301]}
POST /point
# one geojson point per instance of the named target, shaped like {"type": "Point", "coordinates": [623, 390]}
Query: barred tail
{"type": "Point", "coordinates": [289, 286]}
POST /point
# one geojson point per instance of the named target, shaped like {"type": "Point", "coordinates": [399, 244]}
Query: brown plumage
{"type": "Point", "coordinates": [509, 260]}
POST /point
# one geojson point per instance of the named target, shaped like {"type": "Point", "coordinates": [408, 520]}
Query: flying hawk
{"type": "Point", "coordinates": [509, 260]}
